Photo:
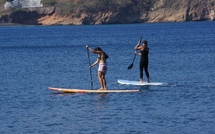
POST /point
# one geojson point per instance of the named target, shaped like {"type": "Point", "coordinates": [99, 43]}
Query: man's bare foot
{"type": "Point", "coordinates": [100, 89]}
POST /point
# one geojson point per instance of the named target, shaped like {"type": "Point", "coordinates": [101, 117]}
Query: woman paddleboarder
{"type": "Point", "coordinates": [102, 57]}
{"type": "Point", "coordinates": [144, 51]}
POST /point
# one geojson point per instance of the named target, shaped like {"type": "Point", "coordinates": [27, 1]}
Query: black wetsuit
{"type": "Point", "coordinates": [144, 62]}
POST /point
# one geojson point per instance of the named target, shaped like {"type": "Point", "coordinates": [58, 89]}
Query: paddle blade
{"type": "Point", "coordinates": [129, 67]}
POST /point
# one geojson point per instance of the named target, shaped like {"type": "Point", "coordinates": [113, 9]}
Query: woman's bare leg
{"type": "Point", "coordinates": [100, 79]}
{"type": "Point", "coordinates": [104, 81]}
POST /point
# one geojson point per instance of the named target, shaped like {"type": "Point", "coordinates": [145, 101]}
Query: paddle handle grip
{"type": "Point", "coordinates": [140, 40]}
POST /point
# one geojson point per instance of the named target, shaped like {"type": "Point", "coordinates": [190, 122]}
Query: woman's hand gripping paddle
{"type": "Point", "coordinates": [130, 66]}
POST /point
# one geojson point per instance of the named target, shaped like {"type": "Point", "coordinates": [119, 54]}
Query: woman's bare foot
{"type": "Point", "coordinates": [148, 80]}
{"type": "Point", "coordinates": [141, 80]}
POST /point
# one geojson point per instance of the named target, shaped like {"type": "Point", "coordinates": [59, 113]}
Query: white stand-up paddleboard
{"type": "Point", "coordinates": [64, 90]}
{"type": "Point", "coordinates": [138, 83]}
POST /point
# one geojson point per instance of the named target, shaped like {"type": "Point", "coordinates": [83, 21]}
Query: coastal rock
{"type": "Point", "coordinates": [159, 11]}
{"type": "Point", "coordinates": [27, 16]}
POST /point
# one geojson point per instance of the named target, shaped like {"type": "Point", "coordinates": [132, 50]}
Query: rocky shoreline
{"type": "Point", "coordinates": [12, 24]}
{"type": "Point", "coordinates": [179, 12]}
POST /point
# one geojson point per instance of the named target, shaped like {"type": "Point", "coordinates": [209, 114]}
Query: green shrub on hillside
{"type": "Point", "coordinates": [49, 2]}
{"type": "Point", "coordinates": [2, 2]}
{"type": "Point", "coordinates": [113, 5]}
{"type": "Point", "coordinates": [102, 5]}
{"type": "Point", "coordinates": [67, 7]}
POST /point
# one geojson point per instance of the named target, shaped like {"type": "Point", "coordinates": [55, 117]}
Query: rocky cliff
{"type": "Point", "coordinates": [149, 11]}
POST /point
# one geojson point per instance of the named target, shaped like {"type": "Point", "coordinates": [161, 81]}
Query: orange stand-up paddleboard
{"type": "Point", "coordinates": [64, 90]}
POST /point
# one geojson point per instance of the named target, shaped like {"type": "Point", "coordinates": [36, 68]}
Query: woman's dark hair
{"type": "Point", "coordinates": [99, 49]}
{"type": "Point", "coordinates": [145, 42]}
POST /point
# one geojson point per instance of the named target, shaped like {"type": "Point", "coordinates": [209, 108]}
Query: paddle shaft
{"type": "Point", "coordinates": [139, 44]}
{"type": "Point", "coordinates": [134, 56]}
{"type": "Point", "coordinates": [91, 78]}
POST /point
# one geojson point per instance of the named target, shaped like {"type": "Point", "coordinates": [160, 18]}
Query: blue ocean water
{"type": "Point", "coordinates": [33, 58]}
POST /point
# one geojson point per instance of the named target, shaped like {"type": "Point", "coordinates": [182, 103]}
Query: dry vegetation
{"type": "Point", "coordinates": [92, 6]}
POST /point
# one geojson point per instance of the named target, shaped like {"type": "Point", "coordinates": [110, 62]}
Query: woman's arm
{"type": "Point", "coordinates": [138, 47]}
{"type": "Point", "coordinates": [137, 53]}
{"type": "Point", "coordinates": [96, 62]}
{"type": "Point", "coordinates": [92, 50]}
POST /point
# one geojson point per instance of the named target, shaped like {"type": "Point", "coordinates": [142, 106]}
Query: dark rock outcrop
{"type": "Point", "coordinates": [27, 16]}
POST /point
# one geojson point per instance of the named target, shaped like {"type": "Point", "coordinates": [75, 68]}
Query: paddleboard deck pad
{"type": "Point", "coordinates": [64, 90]}
{"type": "Point", "coordinates": [138, 83]}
